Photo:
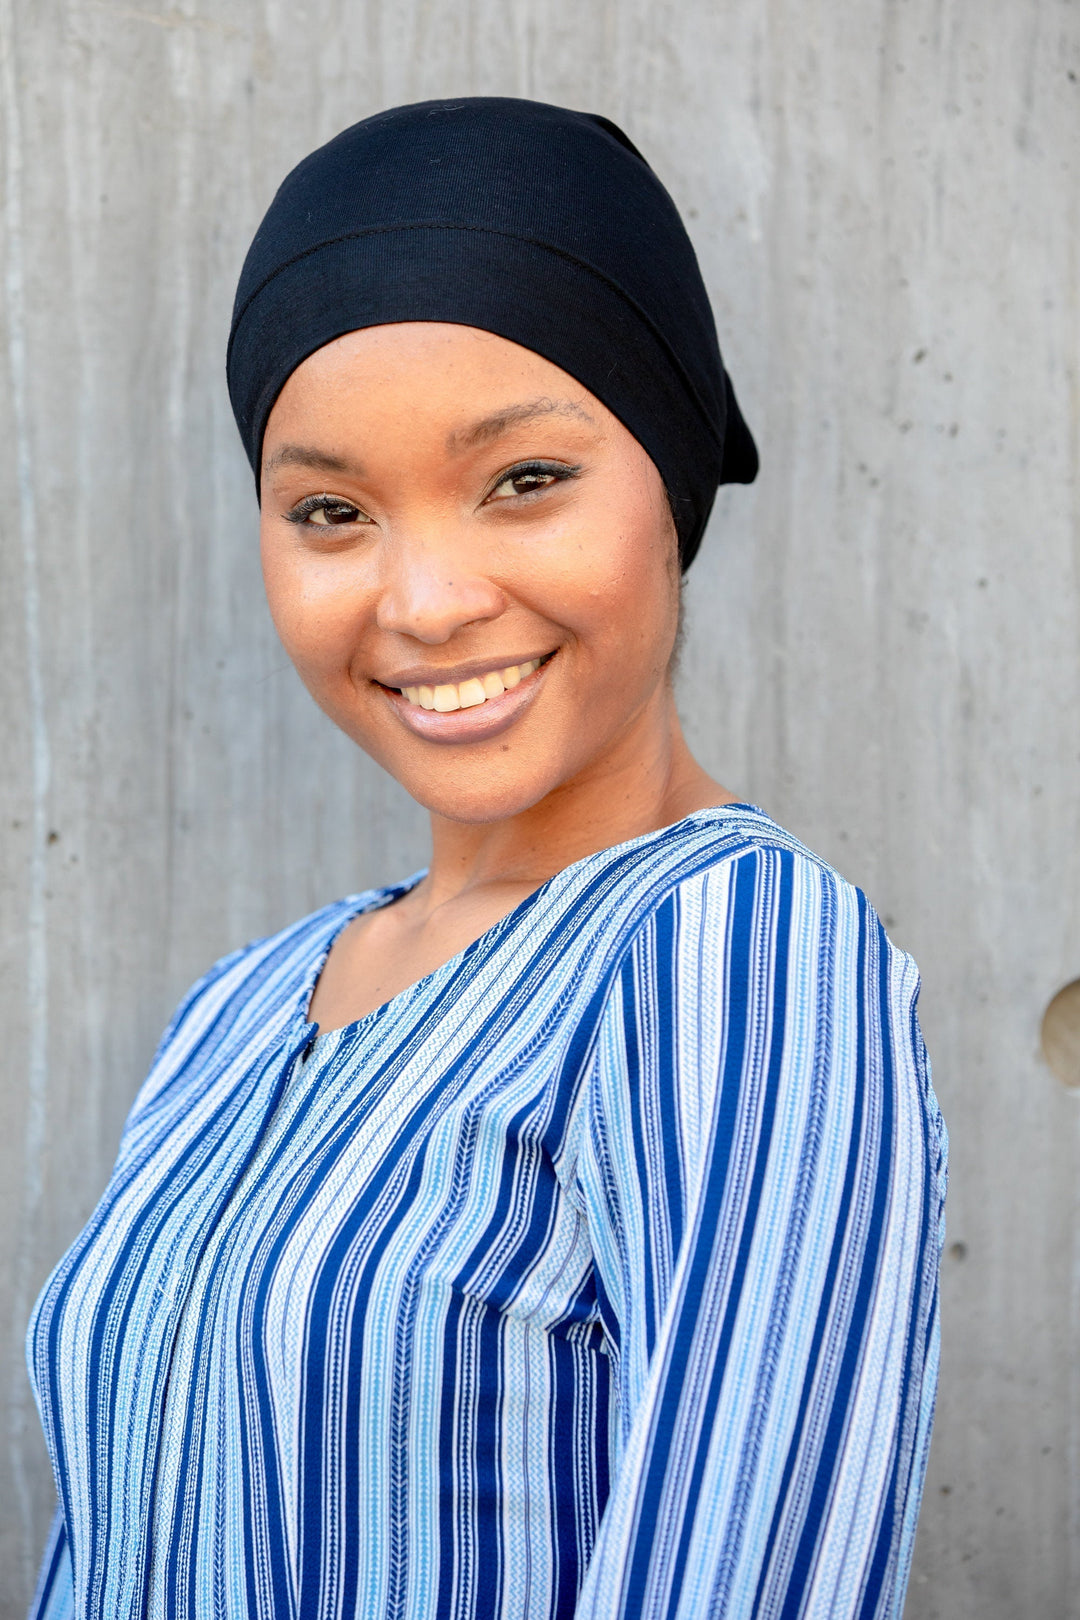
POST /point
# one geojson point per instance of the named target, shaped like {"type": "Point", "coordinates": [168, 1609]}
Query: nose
{"type": "Point", "coordinates": [431, 589]}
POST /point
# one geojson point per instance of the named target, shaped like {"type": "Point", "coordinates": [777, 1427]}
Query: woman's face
{"type": "Point", "coordinates": [471, 563]}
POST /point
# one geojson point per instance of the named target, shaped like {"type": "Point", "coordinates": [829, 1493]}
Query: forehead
{"type": "Point", "coordinates": [466, 386]}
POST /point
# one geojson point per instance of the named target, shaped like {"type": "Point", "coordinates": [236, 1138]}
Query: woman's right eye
{"type": "Point", "coordinates": [325, 511]}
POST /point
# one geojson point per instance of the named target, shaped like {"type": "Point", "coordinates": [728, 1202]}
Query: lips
{"type": "Point", "coordinates": [469, 694]}
{"type": "Point", "coordinates": [471, 710]}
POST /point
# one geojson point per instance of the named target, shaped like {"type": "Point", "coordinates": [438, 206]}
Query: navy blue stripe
{"type": "Point", "coordinates": [609, 1081]}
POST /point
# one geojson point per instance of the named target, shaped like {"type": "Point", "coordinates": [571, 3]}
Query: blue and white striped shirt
{"type": "Point", "coordinates": [594, 1275]}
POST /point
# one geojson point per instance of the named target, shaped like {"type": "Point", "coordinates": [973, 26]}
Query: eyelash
{"type": "Point", "coordinates": [322, 503]}
{"type": "Point", "coordinates": [557, 471]}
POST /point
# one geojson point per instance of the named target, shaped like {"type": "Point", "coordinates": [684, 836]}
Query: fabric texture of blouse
{"type": "Point", "coordinates": [594, 1275]}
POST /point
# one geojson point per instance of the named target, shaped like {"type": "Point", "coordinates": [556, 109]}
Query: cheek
{"type": "Point", "coordinates": [311, 617]}
{"type": "Point", "coordinates": [636, 599]}
{"type": "Point", "coordinates": [616, 579]}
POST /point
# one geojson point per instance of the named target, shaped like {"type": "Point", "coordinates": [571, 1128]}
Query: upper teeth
{"type": "Point", "coordinates": [467, 694]}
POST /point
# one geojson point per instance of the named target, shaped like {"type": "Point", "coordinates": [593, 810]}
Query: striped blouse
{"type": "Point", "coordinates": [594, 1275]}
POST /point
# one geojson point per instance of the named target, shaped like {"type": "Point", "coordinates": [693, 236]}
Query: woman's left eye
{"type": "Point", "coordinates": [528, 480]}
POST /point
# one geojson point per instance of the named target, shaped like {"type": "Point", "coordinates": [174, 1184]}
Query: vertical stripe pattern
{"type": "Point", "coordinates": [595, 1275]}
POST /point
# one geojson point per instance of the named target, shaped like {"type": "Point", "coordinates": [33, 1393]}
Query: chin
{"type": "Point", "coordinates": [476, 804]}
{"type": "Point", "coordinates": [490, 786]}
{"type": "Point", "coordinates": [477, 785]}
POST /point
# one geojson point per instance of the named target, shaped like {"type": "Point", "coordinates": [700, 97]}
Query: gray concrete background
{"type": "Point", "coordinates": [883, 644]}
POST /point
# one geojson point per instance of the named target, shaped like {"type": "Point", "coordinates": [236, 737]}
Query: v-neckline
{"type": "Point", "coordinates": [506, 923]}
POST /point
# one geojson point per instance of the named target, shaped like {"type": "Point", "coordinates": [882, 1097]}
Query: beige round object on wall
{"type": "Point", "coordinates": [1061, 1034]}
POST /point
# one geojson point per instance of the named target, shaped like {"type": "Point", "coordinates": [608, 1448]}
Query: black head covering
{"type": "Point", "coordinates": [541, 225]}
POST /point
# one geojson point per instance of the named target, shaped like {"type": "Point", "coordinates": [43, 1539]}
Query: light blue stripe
{"type": "Point", "coordinates": [596, 1274]}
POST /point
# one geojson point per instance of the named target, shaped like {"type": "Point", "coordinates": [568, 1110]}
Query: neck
{"type": "Point", "coordinates": [646, 780]}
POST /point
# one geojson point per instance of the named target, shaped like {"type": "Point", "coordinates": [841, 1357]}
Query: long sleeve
{"type": "Point", "coordinates": [762, 1175]}
{"type": "Point", "coordinates": [54, 1597]}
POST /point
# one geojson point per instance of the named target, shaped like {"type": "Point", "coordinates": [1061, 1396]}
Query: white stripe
{"type": "Point", "coordinates": [384, 1246]}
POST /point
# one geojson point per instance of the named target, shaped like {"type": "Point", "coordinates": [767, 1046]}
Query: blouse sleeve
{"type": "Point", "coordinates": [763, 1178]}
{"type": "Point", "coordinates": [54, 1596]}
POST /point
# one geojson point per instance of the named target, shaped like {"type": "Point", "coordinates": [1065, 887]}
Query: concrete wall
{"type": "Point", "coordinates": [884, 633]}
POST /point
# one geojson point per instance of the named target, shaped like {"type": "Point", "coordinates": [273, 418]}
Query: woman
{"type": "Point", "coordinates": [555, 1232]}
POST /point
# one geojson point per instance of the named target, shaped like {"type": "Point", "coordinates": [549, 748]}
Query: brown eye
{"type": "Point", "coordinates": [334, 512]}
{"type": "Point", "coordinates": [326, 511]}
{"type": "Point", "coordinates": [529, 479]}
{"type": "Point", "coordinates": [522, 483]}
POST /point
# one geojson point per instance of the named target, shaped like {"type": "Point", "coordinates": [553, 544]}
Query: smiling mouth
{"type": "Point", "coordinates": [470, 694]}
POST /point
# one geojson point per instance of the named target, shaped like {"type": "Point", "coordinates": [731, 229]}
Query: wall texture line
{"type": "Point", "coordinates": [883, 634]}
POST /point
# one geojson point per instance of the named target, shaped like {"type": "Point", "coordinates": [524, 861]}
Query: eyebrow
{"type": "Point", "coordinates": [467, 438]}
{"type": "Point", "coordinates": [303, 455]}
{"type": "Point", "coordinates": [511, 416]}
